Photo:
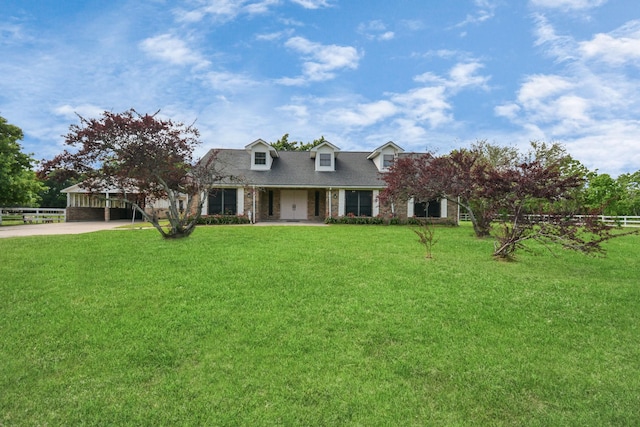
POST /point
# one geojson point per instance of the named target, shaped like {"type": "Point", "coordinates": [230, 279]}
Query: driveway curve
{"type": "Point", "coordinates": [58, 228]}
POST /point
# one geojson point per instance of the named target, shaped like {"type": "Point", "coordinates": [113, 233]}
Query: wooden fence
{"type": "Point", "coordinates": [622, 221]}
{"type": "Point", "coordinates": [31, 215]}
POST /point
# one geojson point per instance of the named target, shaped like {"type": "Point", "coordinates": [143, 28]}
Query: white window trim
{"type": "Point", "coordinates": [376, 203]}
{"type": "Point", "coordinates": [255, 159]}
{"type": "Point", "coordinates": [330, 168]}
{"type": "Point", "coordinates": [240, 202]}
{"type": "Point", "coordinates": [393, 158]}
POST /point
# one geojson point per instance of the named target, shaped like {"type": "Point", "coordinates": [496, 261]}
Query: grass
{"type": "Point", "coordinates": [340, 325]}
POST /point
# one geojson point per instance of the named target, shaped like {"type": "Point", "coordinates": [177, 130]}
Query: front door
{"type": "Point", "coordinates": [293, 204]}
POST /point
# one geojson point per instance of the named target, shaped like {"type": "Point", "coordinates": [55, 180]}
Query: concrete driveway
{"type": "Point", "coordinates": [58, 228]}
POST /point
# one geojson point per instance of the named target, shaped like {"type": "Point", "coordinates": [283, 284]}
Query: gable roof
{"type": "Point", "coordinates": [272, 151]}
{"type": "Point", "coordinates": [295, 169]}
{"type": "Point", "coordinates": [313, 151]}
{"type": "Point", "coordinates": [379, 150]}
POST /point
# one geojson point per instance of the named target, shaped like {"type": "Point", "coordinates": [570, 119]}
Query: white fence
{"type": "Point", "coordinates": [32, 215]}
{"type": "Point", "coordinates": [622, 221]}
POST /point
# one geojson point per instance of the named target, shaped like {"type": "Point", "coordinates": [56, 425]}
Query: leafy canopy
{"type": "Point", "coordinates": [283, 144]}
{"type": "Point", "coordinates": [532, 196]}
{"type": "Point", "coordinates": [130, 153]}
{"type": "Point", "coordinates": [18, 182]}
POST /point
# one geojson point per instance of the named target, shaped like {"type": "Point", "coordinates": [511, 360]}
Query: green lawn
{"type": "Point", "coordinates": [340, 325]}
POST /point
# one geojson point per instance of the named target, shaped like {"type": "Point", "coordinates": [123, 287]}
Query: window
{"type": "Point", "coordinates": [387, 161]}
{"type": "Point", "coordinates": [359, 202]}
{"type": "Point", "coordinates": [260, 158]}
{"type": "Point", "coordinates": [325, 159]}
{"type": "Point", "coordinates": [430, 209]}
{"type": "Point", "coordinates": [270, 202]}
{"type": "Point", "coordinates": [223, 202]}
{"type": "Point", "coordinates": [316, 211]}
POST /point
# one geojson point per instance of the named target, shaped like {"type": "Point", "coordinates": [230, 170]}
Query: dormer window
{"type": "Point", "coordinates": [260, 158]}
{"type": "Point", "coordinates": [384, 156]}
{"type": "Point", "coordinates": [261, 155]}
{"type": "Point", "coordinates": [324, 156]}
{"type": "Point", "coordinates": [325, 159]}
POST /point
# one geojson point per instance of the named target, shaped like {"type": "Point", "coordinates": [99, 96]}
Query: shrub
{"type": "Point", "coordinates": [382, 220]}
{"type": "Point", "coordinates": [223, 219]}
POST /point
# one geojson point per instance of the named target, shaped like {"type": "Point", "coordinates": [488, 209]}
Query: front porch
{"type": "Point", "coordinates": [291, 205]}
{"type": "Point", "coordinates": [315, 205]}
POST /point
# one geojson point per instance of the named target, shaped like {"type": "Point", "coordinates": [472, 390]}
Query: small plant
{"type": "Point", "coordinates": [223, 219]}
{"type": "Point", "coordinates": [426, 235]}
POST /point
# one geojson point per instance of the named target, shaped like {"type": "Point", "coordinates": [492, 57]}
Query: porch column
{"type": "Point", "coordinates": [376, 203]}
{"type": "Point", "coordinates": [341, 202]}
{"type": "Point", "coordinates": [107, 210]}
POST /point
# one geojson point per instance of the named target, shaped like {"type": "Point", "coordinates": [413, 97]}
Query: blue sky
{"type": "Point", "coordinates": [429, 75]}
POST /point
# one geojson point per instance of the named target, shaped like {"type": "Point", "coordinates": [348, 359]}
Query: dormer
{"type": "Point", "coordinates": [384, 156]}
{"type": "Point", "coordinates": [262, 155]}
{"type": "Point", "coordinates": [325, 156]}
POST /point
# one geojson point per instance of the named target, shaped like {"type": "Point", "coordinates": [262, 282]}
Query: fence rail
{"type": "Point", "coordinates": [622, 221]}
{"type": "Point", "coordinates": [31, 215]}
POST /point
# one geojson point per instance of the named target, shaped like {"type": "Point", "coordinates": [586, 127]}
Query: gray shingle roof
{"type": "Point", "coordinates": [297, 169]}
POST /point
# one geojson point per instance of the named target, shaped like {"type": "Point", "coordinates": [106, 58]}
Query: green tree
{"type": "Point", "coordinates": [18, 182]}
{"type": "Point", "coordinates": [51, 196]}
{"type": "Point", "coordinates": [630, 183]}
{"type": "Point", "coordinates": [283, 144]}
{"type": "Point", "coordinates": [605, 193]}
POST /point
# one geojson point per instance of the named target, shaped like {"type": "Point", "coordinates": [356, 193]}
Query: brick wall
{"type": "Point", "coordinates": [85, 214]}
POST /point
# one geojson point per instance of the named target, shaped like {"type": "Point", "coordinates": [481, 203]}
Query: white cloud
{"type": "Point", "coordinates": [430, 78]}
{"type": "Point", "coordinates": [592, 103]}
{"type": "Point", "coordinates": [85, 110]}
{"type": "Point", "coordinates": [224, 10]}
{"type": "Point", "coordinates": [414, 111]}
{"type": "Point", "coordinates": [510, 111]}
{"type": "Point", "coordinates": [409, 131]}
{"type": "Point", "coordinates": [464, 75]}
{"type": "Point", "coordinates": [172, 49]}
{"type": "Point", "coordinates": [260, 7]}
{"type": "Point", "coordinates": [616, 48]}
{"type": "Point", "coordinates": [298, 112]}
{"type": "Point", "coordinates": [413, 24]}
{"type": "Point", "coordinates": [426, 104]}
{"type": "Point", "coordinates": [219, 9]}
{"type": "Point", "coordinates": [444, 54]}
{"type": "Point", "coordinates": [538, 88]}
{"type": "Point", "coordinates": [312, 4]}
{"type": "Point", "coordinates": [486, 11]}
{"type": "Point", "coordinates": [364, 114]}
{"type": "Point", "coordinates": [375, 30]}
{"type": "Point", "coordinates": [321, 61]}
{"type": "Point", "coordinates": [226, 81]}
{"type": "Point", "coordinates": [568, 4]}
{"type": "Point", "coordinates": [563, 48]}
{"type": "Point", "coordinates": [460, 76]}
{"type": "Point", "coordinates": [275, 35]}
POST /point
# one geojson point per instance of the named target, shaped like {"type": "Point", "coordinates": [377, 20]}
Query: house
{"type": "Point", "coordinates": [268, 185]}
{"type": "Point", "coordinates": [311, 185]}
